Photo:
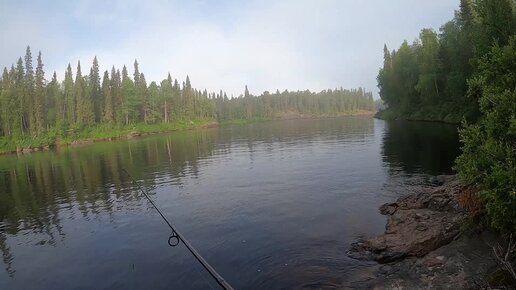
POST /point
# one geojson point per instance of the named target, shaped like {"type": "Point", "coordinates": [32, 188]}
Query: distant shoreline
{"type": "Point", "coordinates": [106, 134]}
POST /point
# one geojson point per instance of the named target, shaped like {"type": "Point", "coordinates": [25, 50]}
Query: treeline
{"type": "Point", "coordinates": [428, 79]}
{"type": "Point", "coordinates": [466, 72]}
{"type": "Point", "coordinates": [267, 105]}
{"type": "Point", "coordinates": [32, 106]}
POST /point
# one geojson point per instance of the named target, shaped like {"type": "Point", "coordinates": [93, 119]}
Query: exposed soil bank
{"type": "Point", "coordinates": [426, 244]}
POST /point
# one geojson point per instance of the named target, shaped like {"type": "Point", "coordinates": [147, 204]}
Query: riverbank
{"type": "Point", "coordinates": [431, 241]}
{"type": "Point", "coordinates": [62, 138]}
{"type": "Point", "coordinates": [423, 116]}
{"type": "Point", "coordinates": [57, 138]}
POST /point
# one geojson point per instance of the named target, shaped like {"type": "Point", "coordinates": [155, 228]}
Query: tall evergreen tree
{"type": "Point", "coordinates": [116, 94]}
{"type": "Point", "coordinates": [143, 93]}
{"type": "Point", "coordinates": [39, 98]}
{"type": "Point", "coordinates": [8, 103]}
{"type": "Point", "coordinates": [127, 93]}
{"type": "Point", "coordinates": [95, 91]}
{"type": "Point", "coordinates": [85, 114]}
{"type": "Point", "coordinates": [57, 109]}
{"type": "Point", "coordinates": [21, 91]}
{"type": "Point", "coordinates": [28, 101]}
{"type": "Point", "coordinates": [107, 93]}
{"type": "Point", "coordinates": [69, 96]}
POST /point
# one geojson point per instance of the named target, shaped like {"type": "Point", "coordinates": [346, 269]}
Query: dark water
{"type": "Point", "coordinates": [269, 205]}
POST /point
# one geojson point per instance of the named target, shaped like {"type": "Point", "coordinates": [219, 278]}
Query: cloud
{"type": "Point", "coordinates": [268, 45]}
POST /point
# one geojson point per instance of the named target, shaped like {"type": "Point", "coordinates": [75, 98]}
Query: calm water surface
{"type": "Point", "coordinates": [269, 205]}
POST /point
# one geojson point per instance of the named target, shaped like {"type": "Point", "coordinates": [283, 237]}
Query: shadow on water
{"type": "Point", "coordinates": [420, 147]}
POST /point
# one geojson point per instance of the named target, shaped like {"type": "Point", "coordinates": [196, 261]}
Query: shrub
{"type": "Point", "coordinates": [489, 147]}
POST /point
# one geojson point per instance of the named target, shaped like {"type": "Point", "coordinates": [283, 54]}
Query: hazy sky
{"type": "Point", "coordinates": [268, 45]}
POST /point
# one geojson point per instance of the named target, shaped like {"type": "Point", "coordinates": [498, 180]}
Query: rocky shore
{"type": "Point", "coordinates": [426, 244]}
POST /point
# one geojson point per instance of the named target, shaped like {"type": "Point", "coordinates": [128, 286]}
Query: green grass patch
{"type": "Point", "coordinates": [66, 136]}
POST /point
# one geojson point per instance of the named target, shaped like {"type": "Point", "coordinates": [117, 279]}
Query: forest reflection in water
{"type": "Point", "coordinates": [39, 192]}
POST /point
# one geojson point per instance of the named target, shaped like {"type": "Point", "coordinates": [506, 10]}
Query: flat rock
{"type": "Point", "coordinates": [416, 224]}
{"type": "Point", "coordinates": [462, 264]}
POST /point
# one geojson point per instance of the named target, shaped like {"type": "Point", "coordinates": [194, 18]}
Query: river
{"type": "Point", "coordinates": [270, 205]}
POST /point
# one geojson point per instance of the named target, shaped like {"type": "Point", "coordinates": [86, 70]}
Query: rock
{"type": "Point", "coordinates": [416, 225]}
{"type": "Point", "coordinates": [463, 264]}
{"type": "Point", "coordinates": [388, 208]}
{"type": "Point", "coordinates": [424, 246]}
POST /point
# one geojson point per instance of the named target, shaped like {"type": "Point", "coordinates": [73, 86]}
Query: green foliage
{"type": "Point", "coordinates": [489, 151]}
{"type": "Point", "coordinates": [467, 72]}
{"type": "Point", "coordinates": [34, 113]}
{"type": "Point", "coordinates": [432, 73]}
{"type": "Point", "coordinates": [301, 103]}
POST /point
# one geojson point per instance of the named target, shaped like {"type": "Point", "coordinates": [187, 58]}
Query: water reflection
{"type": "Point", "coordinates": [223, 184]}
{"type": "Point", "coordinates": [36, 188]}
{"type": "Point", "coordinates": [420, 147]}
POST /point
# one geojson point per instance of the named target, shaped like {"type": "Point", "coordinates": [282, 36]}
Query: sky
{"type": "Point", "coordinates": [221, 45]}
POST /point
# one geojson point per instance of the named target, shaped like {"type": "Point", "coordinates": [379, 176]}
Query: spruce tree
{"type": "Point", "coordinates": [28, 96]}
{"type": "Point", "coordinates": [108, 116]}
{"type": "Point", "coordinates": [85, 114]}
{"type": "Point", "coordinates": [57, 98]}
{"type": "Point", "coordinates": [39, 98]}
{"type": "Point", "coordinates": [127, 92]}
{"type": "Point", "coordinates": [20, 91]}
{"type": "Point", "coordinates": [143, 93]}
{"type": "Point", "coordinates": [6, 103]}
{"type": "Point", "coordinates": [116, 95]}
{"type": "Point", "coordinates": [69, 97]}
{"type": "Point", "coordinates": [246, 92]}
{"type": "Point", "coordinates": [95, 92]}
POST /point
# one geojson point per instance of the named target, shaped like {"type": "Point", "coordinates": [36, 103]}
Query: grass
{"type": "Point", "coordinates": [62, 137]}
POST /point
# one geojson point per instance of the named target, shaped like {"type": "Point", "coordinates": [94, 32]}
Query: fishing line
{"type": "Point", "coordinates": [175, 237]}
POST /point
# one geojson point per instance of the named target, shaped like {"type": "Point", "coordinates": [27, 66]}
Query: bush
{"type": "Point", "coordinates": [489, 147]}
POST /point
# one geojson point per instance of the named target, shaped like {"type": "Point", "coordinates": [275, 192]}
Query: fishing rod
{"type": "Point", "coordinates": [175, 235]}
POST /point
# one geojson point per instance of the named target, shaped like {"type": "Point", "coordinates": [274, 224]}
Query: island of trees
{"type": "Point", "coordinates": [35, 112]}
{"type": "Point", "coordinates": [466, 73]}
